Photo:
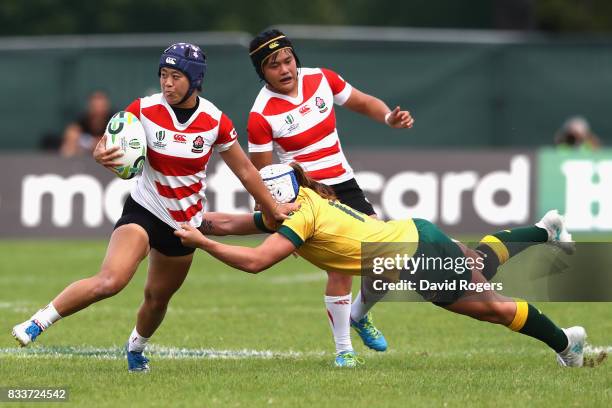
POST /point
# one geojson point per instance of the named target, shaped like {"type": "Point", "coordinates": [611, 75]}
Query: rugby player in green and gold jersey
{"type": "Point", "coordinates": [330, 235]}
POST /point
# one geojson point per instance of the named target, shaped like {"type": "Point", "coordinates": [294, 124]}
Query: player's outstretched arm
{"type": "Point", "coordinates": [217, 223]}
{"type": "Point", "coordinates": [377, 110]}
{"type": "Point", "coordinates": [238, 162]}
{"type": "Point", "coordinates": [253, 260]}
{"type": "Point", "coordinates": [261, 159]}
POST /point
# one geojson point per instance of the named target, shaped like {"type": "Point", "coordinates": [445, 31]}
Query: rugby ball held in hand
{"type": "Point", "coordinates": [125, 130]}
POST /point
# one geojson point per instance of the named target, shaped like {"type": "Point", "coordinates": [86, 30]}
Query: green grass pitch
{"type": "Point", "coordinates": [235, 340]}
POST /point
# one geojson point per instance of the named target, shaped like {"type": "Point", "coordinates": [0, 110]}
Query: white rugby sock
{"type": "Point", "coordinates": [363, 303]}
{"type": "Point", "coordinates": [338, 312]}
{"type": "Point", "coordinates": [46, 316]}
{"type": "Point", "coordinates": [136, 342]}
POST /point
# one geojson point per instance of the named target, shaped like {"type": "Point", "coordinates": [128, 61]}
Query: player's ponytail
{"type": "Point", "coordinates": [305, 181]}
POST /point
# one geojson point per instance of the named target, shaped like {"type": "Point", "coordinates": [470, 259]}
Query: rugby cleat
{"type": "Point", "coordinates": [573, 355]}
{"type": "Point", "coordinates": [370, 335]}
{"type": "Point", "coordinates": [26, 332]}
{"type": "Point", "coordinates": [348, 359]}
{"type": "Point", "coordinates": [137, 362]}
{"type": "Point", "coordinates": [554, 224]}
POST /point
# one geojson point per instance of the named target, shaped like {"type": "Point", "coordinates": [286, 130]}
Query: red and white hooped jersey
{"type": "Point", "coordinates": [172, 183]}
{"type": "Point", "coordinates": [303, 129]}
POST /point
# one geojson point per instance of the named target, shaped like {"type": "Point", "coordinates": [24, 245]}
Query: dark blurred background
{"type": "Point", "coordinates": [47, 17]}
{"type": "Point", "coordinates": [474, 73]}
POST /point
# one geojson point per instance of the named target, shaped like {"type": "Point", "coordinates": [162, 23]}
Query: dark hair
{"type": "Point", "coordinates": [304, 181]}
{"type": "Point", "coordinates": [259, 53]}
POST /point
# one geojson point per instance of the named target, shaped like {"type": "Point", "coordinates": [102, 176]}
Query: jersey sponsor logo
{"type": "Point", "coordinates": [170, 60]}
{"type": "Point", "coordinates": [320, 103]}
{"type": "Point", "coordinates": [305, 109]}
{"type": "Point", "coordinates": [160, 137]}
{"type": "Point", "coordinates": [233, 134]}
{"type": "Point", "coordinates": [198, 145]}
{"type": "Point", "coordinates": [178, 138]}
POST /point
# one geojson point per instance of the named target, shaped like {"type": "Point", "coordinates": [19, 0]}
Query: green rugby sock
{"type": "Point", "coordinates": [503, 245]}
{"type": "Point", "coordinates": [533, 323]}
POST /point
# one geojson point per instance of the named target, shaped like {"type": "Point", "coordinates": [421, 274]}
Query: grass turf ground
{"type": "Point", "coordinates": [273, 330]}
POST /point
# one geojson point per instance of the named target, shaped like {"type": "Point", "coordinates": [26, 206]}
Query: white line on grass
{"type": "Point", "coordinates": [176, 353]}
{"type": "Point", "coordinates": [589, 349]}
{"type": "Point", "coordinates": [158, 352]}
{"type": "Point", "coordinates": [18, 307]}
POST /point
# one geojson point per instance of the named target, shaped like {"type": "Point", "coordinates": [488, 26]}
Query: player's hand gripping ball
{"type": "Point", "coordinates": [125, 130]}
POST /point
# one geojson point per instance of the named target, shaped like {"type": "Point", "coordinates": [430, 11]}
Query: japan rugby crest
{"type": "Point", "coordinates": [198, 145]}
{"type": "Point", "coordinates": [320, 103]}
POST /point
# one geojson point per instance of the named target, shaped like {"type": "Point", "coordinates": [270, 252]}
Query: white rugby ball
{"type": "Point", "coordinates": [125, 130]}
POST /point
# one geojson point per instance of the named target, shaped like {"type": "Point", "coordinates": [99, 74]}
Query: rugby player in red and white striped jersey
{"type": "Point", "coordinates": [303, 128]}
{"type": "Point", "coordinates": [173, 180]}
{"type": "Point", "coordinates": [294, 116]}
{"type": "Point", "coordinates": [182, 129]}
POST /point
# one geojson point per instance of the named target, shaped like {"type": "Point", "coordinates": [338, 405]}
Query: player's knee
{"type": "Point", "coordinates": [155, 300]}
{"type": "Point", "coordinates": [339, 280]}
{"type": "Point", "coordinates": [108, 285]}
{"type": "Point", "coordinates": [106, 288]}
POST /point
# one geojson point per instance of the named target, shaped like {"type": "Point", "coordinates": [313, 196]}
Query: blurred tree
{"type": "Point", "coordinates": [574, 15]}
{"type": "Point", "coordinates": [38, 17]}
{"type": "Point", "coordinates": [41, 17]}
